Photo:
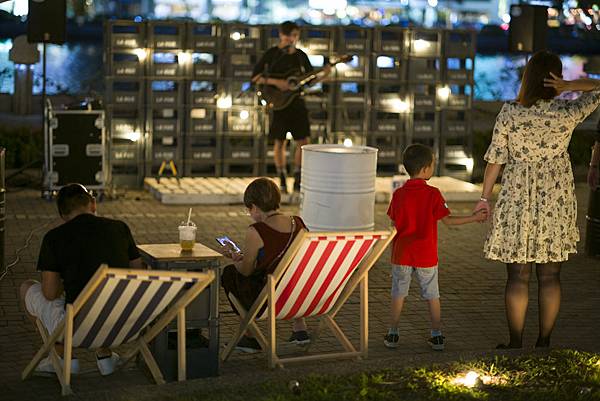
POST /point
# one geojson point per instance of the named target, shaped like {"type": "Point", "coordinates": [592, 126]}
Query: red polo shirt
{"type": "Point", "coordinates": [415, 209]}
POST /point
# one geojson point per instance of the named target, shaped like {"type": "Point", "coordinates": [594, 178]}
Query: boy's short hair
{"type": "Point", "coordinates": [286, 27]}
{"type": "Point", "coordinates": [72, 197]}
{"type": "Point", "coordinates": [416, 157]}
{"type": "Point", "coordinates": [263, 193]}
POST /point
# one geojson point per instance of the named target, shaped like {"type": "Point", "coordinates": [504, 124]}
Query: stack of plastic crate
{"type": "Point", "coordinates": [203, 145]}
{"type": "Point", "coordinates": [239, 117]}
{"type": "Point", "coordinates": [456, 139]}
{"type": "Point", "coordinates": [126, 57]}
{"type": "Point", "coordinates": [390, 102]}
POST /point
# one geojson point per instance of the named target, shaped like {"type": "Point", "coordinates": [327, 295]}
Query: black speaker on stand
{"type": "Point", "coordinates": [46, 23]}
{"type": "Point", "coordinates": [528, 28]}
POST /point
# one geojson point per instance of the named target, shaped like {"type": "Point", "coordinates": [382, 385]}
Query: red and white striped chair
{"type": "Point", "coordinates": [315, 277]}
{"type": "Point", "coordinates": [114, 308]}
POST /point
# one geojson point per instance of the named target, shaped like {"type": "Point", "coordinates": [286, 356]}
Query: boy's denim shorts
{"type": "Point", "coordinates": [427, 276]}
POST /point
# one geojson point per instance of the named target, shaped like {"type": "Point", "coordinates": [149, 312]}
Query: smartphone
{"type": "Point", "coordinates": [228, 242]}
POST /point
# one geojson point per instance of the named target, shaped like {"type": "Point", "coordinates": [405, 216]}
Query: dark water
{"type": "Point", "coordinates": [78, 69]}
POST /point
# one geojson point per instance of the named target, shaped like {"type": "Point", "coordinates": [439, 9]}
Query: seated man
{"type": "Point", "coordinates": [69, 256]}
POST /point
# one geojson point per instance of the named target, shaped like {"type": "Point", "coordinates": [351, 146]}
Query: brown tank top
{"type": "Point", "coordinates": [274, 242]}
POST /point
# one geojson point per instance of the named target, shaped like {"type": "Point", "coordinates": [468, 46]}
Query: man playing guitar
{"type": "Point", "coordinates": [276, 62]}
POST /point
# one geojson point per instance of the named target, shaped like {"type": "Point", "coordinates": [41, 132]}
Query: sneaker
{"type": "Point", "coordinates": [45, 366]}
{"type": "Point", "coordinates": [391, 340]}
{"type": "Point", "coordinates": [248, 345]}
{"type": "Point", "coordinates": [297, 176]}
{"type": "Point", "coordinates": [107, 365]}
{"type": "Point", "coordinates": [437, 343]}
{"type": "Point", "coordinates": [299, 338]}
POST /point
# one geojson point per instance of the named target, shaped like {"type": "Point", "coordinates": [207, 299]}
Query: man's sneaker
{"type": "Point", "coordinates": [299, 338]}
{"type": "Point", "coordinates": [391, 340]}
{"type": "Point", "coordinates": [437, 343]}
{"type": "Point", "coordinates": [107, 365]}
{"type": "Point", "coordinates": [45, 366]}
{"type": "Point", "coordinates": [248, 345]}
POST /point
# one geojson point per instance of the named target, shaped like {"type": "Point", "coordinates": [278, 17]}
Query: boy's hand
{"type": "Point", "coordinates": [480, 215]}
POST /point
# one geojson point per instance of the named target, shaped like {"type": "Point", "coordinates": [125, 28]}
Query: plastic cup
{"type": "Point", "coordinates": [187, 237]}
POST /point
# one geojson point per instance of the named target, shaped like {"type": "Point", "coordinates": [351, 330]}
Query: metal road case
{"type": "Point", "coordinates": [77, 144]}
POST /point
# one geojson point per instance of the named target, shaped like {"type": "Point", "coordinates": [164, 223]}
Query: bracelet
{"type": "Point", "coordinates": [482, 199]}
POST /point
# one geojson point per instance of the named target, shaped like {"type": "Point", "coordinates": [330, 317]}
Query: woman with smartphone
{"type": "Point", "coordinates": [266, 242]}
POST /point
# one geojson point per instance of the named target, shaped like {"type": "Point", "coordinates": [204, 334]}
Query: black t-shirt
{"type": "Point", "coordinates": [278, 62]}
{"type": "Point", "coordinates": [78, 247]}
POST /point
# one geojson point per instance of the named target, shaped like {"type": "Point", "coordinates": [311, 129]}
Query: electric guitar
{"type": "Point", "coordinates": [276, 99]}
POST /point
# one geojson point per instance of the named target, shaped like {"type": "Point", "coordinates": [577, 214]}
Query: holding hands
{"type": "Point", "coordinates": [482, 210]}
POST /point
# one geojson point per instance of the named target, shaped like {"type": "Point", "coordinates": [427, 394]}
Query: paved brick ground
{"type": "Point", "coordinates": [471, 288]}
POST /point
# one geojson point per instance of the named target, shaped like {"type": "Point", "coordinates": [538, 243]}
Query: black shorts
{"type": "Point", "coordinates": [293, 119]}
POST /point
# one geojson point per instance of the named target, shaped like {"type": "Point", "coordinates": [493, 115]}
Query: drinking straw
{"type": "Point", "coordinates": [189, 217]}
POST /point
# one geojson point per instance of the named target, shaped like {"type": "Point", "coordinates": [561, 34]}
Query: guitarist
{"type": "Point", "coordinates": [276, 64]}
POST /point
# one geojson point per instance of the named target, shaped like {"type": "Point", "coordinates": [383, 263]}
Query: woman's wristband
{"type": "Point", "coordinates": [482, 199]}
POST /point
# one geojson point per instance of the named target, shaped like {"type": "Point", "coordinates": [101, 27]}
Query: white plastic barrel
{"type": "Point", "coordinates": [338, 187]}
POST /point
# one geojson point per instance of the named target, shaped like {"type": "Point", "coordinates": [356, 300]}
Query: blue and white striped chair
{"type": "Point", "coordinates": [114, 308]}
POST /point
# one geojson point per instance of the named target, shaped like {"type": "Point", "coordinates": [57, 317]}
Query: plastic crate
{"type": "Point", "coordinates": [425, 43]}
{"type": "Point", "coordinates": [239, 66]}
{"type": "Point", "coordinates": [241, 120]}
{"type": "Point", "coordinates": [202, 121]}
{"type": "Point", "coordinates": [456, 123]}
{"type": "Point", "coordinates": [390, 147]}
{"type": "Point", "coordinates": [352, 40]}
{"type": "Point", "coordinates": [205, 65]}
{"type": "Point", "coordinates": [125, 94]}
{"type": "Point", "coordinates": [165, 94]}
{"type": "Point", "coordinates": [425, 123]}
{"type": "Point", "coordinates": [352, 93]}
{"type": "Point", "coordinates": [126, 175]}
{"type": "Point", "coordinates": [350, 120]}
{"type": "Point", "coordinates": [458, 70]}
{"type": "Point", "coordinates": [387, 123]}
{"type": "Point", "coordinates": [203, 93]}
{"type": "Point", "coordinates": [355, 69]}
{"type": "Point", "coordinates": [167, 64]}
{"type": "Point", "coordinates": [166, 35]}
{"type": "Point", "coordinates": [238, 148]}
{"type": "Point", "coordinates": [424, 97]}
{"type": "Point", "coordinates": [125, 34]}
{"type": "Point", "coordinates": [318, 95]}
{"type": "Point", "coordinates": [320, 123]}
{"type": "Point", "coordinates": [270, 36]}
{"type": "Point", "coordinates": [459, 44]}
{"type": "Point", "coordinates": [426, 70]}
{"type": "Point", "coordinates": [316, 40]}
{"type": "Point", "coordinates": [459, 97]}
{"type": "Point", "coordinates": [390, 97]}
{"type": "Point", "coordinates": [389, 67]}
{"type": "Point", "coordinates": [125, 63]}
{"type": "Point", "coordinates": [243, 38]}
{"type": "Point", "coordinates": [203, 149]}
{"type": "Point", "coordinates": [390, 40]}
{"type": "Point", "coordinates": [204, 38]}
{"type": "Point", "coordinates": [194, 169]}
{"type": "Point", "coordinates": [251, 168]}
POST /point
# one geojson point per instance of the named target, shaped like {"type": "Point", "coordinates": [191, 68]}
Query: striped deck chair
{"type": "Point", "coordinates": [315, 277]}
{"type": "Point", "coordinates": [113, 309]}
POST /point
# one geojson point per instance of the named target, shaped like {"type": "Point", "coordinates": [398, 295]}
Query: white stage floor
{"type": "Point", "coordinates": [227, 190]}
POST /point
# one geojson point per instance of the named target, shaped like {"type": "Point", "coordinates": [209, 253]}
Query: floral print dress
{"type": "Point", "coordinates": [535, 216]}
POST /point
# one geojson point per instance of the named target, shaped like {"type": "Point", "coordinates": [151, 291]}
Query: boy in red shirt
{"type": "Point", "coordinates": [415, 210]}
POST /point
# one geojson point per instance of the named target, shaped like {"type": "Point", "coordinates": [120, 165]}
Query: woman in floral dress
{"type": "Point", "coordinates": [534, 220]}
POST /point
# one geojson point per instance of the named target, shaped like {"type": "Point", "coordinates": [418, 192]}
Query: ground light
{"type": "Point", "coordinates": [140, 53]}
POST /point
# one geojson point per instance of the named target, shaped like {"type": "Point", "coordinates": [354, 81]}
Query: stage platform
{"type": "Point", "coordinates": [229, 190]}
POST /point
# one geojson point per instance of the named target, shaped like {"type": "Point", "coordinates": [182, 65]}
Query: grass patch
{"type": "Point", "coordinates": [560, 375]}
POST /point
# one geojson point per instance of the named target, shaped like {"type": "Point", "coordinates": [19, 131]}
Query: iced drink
{"type": "Point", "coordinates": [187, 237]}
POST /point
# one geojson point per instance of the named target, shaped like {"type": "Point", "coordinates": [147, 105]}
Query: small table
{"type": "Point", "coordinates": [203, 312]}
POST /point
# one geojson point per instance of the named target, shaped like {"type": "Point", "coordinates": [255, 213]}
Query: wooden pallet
{"type": "Point", "coordinates": [230, 190]}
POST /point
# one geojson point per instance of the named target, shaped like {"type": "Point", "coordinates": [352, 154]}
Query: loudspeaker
{"type": "Point", "coordinates": [528, 27]}
{"type": "Point", "coordinates": [47, 21]}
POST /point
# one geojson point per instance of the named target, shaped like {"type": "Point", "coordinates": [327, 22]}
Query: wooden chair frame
{"type": "Point", "coordinates": [65, 327]}
{"type": "Point", "coordinates": [267, 295]}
